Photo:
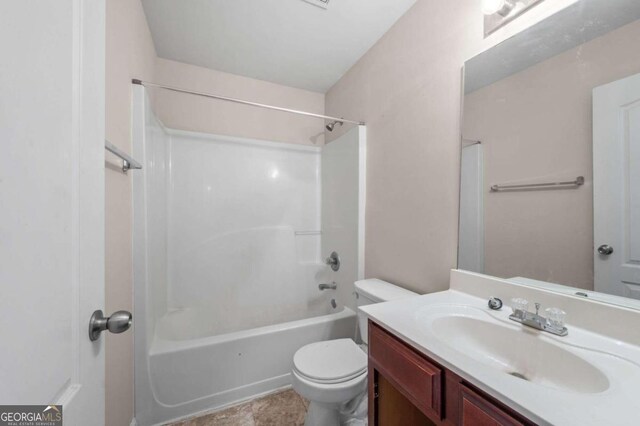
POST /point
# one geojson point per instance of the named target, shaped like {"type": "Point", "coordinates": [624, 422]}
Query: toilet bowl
{"type": "Point", "coordinates": [329, 374]}
{"type": "Point", "coordinates": [332, 374]}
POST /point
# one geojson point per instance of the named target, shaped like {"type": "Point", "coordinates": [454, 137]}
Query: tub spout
{"type": "Point", "coordinates": [331, 286]}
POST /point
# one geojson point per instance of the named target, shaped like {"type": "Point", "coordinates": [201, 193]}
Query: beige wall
{"type": "Point", "coordinates": [188, 112]}
{"type": "Point", "coordinates": [407, 89]}
{"type": "Point", "coordinates": [129, 53]}
{"type": "Point", "coordinates": [536, 126]}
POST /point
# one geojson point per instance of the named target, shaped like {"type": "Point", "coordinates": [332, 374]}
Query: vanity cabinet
{"type": "Point", "coordinates": [407, 388]}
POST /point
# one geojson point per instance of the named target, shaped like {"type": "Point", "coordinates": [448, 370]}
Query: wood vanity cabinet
{"type": "Point", "coordinates": [407, 388]}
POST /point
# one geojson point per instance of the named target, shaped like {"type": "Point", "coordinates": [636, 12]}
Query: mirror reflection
{"type": "Point", "coordinates": [550, 169]}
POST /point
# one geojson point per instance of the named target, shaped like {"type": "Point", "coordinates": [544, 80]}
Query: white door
{"type": "Point", "coordinates": [52, 205]}
{"type": "Point", "coordinates": [616, 185]}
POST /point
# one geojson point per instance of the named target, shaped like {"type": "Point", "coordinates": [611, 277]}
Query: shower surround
{"type": "Point", "coordinates": [229, 237]}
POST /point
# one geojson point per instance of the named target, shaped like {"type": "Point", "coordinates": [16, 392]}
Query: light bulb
{"type": "Point", "coordinates": [503, 7]}
{"type": "Point", "coordinates": [489, 7]}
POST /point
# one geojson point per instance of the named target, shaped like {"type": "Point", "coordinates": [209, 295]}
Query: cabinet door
{"type": "Point", "coordinates": [394, 409]}
{"type": "Point", "coordinates": [412, 374]}
{"type": "Point", "coordinates": [478, 411]}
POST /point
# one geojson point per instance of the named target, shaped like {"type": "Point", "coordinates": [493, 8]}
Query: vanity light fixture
{"type": "Point", "coordinates": [498, 13]}
{"type": "Point", "coordinates": [501, 7]}
{"type": "Point", "coordinates": [320, 3]}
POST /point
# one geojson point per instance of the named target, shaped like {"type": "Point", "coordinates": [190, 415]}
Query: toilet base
{"type": "Point", "coordinates": [353, 413]}
{"type": "Point", "coordinates": [320, 414]}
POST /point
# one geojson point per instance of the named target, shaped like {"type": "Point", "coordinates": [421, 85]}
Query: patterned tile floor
{"type": "Point", "coordinates": [285, 408]}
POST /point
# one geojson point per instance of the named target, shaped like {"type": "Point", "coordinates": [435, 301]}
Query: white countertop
{"type": "Point", "coordinates": [615, 404]}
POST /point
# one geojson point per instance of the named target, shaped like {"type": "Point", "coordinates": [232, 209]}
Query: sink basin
{"type": "Point", "coordinates": [513, 349]}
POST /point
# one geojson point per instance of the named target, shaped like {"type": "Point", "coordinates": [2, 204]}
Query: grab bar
{"type": "Point", "coordinates": [308, 232]}
{"type": "Point", "coordinates": [128, 163]}
{"type": "Point", "coordinates": [578, 182]}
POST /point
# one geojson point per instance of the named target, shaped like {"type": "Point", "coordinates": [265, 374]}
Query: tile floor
{"type": "Point", "coordinates": [285, 408]}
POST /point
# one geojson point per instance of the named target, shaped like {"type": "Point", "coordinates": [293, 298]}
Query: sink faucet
{"type": "Point", "coordinates": [331, 286]}
{"type": "Point", "coordinates": [553, 324]}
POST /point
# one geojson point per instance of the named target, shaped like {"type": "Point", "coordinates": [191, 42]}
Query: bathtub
{"type": "Point", "coordinates": [228, 244]}
{"type": "Point", "coordinates": [203, 373]}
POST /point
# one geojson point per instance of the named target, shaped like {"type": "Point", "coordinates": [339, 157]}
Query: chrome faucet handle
{"type": "Point", "coordinates": [555, 318]}
{"type": "Point", "coordinates": [332, 286]}
{"type": "Point", "coordinates": [537, 308]}
{"type": "Point", "coordinates": [495, 303]}
{"type": "Point", "coordinates": [334, 261]}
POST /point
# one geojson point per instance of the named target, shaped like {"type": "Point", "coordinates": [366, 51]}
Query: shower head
{"type": "Point", "coordinates": [332, 125]}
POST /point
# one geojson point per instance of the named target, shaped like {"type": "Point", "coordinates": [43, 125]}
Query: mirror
{"type": "Point", "coordinates": [550, 163]}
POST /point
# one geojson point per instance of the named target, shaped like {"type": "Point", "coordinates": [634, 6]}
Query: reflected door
{"type": "Point", "coordinates": [616, 167]}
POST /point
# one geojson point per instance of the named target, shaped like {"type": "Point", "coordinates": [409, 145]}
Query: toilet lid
{"type": "Point", "coordinates": [331, 361]}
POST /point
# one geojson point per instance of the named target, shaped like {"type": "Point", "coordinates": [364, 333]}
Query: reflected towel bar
{"type": "Point", "coordinates": [574, 183]}
{"type": "Point", "coordinates": [308, 232]}
{"type": "Point", "coordinates": [127, 162]}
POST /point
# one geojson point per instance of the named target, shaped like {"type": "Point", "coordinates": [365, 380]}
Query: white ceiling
{"type": "Point", "coordinates": [290, 42]}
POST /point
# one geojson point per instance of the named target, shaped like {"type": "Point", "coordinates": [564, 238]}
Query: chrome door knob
{"type": "Point", "coordinates": [605, 250]}
{"type": "Point", "coordinates": [118, 322]}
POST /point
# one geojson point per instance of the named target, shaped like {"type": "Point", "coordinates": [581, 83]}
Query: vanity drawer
{"type": "Point", "coordinates": [411, 373]}
{"type": "Point", "coordinates": [479, 411]}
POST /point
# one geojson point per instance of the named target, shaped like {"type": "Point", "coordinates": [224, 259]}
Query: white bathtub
{"type": "Point", "coordinates": [229, 237]}
{"type": "Point", "coordinates": [206, 373]}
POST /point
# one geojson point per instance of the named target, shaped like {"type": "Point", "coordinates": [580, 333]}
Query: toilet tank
{"type": "Point", "coordinates": [376, 291]}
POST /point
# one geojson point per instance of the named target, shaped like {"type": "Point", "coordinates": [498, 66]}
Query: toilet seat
{"type": "Point", "coordinates": [330, 362]}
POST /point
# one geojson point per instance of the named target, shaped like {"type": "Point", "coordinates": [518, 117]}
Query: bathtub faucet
{"type": "Point", "coordinates": [331, 286]}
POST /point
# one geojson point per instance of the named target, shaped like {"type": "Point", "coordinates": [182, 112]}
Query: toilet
{"type": "Point", "coordinates": [332, 374]}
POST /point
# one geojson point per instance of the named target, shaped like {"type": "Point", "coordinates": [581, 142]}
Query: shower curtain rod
{"type": "Point", "coordinates": [240, 101]}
